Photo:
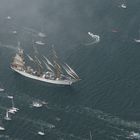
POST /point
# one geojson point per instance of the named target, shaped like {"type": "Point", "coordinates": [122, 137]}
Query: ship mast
{"type": "Point", "coordinates": [37, 61]}
{"type": "Point", "coordinates": [58, 70]}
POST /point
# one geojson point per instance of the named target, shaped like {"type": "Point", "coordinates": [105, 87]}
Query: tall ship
{"type": "Point", "coordinates": [53, 73]}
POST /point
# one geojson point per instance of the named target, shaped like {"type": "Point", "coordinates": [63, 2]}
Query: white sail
{"type": "Point", "coordinates": [47, 66]}
{"type": "Point", "coordinates": [48, 61]}
{"type": "Point", "coordinates": [18, 58]}
{"type": "Point", "coordinates": [123, 5]}
{"type": "Point", "coordinates": [14, 32]}
{"type": "Point", "coordinates": [8, 17]}
{"type": "Point", "coordinates": [38, 62]}
{"type": "Point", "coordinates": [68, 72]}
{"type": "Point", "coordinates": [41, 133]}
{"type": "Point", "coordinates": [30, 58]}
{"type": "Point", "coordinates": [72, 70]}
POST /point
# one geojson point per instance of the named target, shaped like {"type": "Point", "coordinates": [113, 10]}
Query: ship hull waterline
{"type": "Point", "coordinates": [57, 82]}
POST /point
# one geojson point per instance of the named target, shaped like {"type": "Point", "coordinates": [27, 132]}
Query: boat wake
{"type": "Point", "coordinates": [7, 137]}
{"type": "Point", "coordinates": [98, 114]}
{"type": "Point", "coordinates": [49, 128]}
{"type": "Point", "coordinates": [8, 46]}
{"type": "Point", "coordinates": [95, 39]}
{"type": "Point", "coordinates": [108, 118]}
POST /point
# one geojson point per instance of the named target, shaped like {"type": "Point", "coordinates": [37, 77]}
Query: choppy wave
{"type": "Point", "coordinates": [85, 111]}
{"type": "Point", "coordinates": [124, 127]}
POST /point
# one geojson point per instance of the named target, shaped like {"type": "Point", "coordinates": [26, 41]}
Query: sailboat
{"type": "Point", "coordinates": [13, 109]}
{"type": "Point", "coordinates": [1, 125]}
{"type": "Point", "coordinates": [52, 74]}
{"type": "Point", "coordinates": [1, 87]}
{"type": "Point", "coordinates": [123, 5]}
{"type": "Point", "coordinates": [2, 128]}
{"type": "Point", "coordinates": [41, 132]}
{"type": "Point", "coordinates": [7, 116]}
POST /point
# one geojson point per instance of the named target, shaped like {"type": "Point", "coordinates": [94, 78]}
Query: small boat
{"type": "Point", "coordinates": [134, 135]}
{"type": "Point", "coordinates": [40, 43]}
{"type": "Point", "coordinates": [41, 132]}
{"type": "Point", "coordinates": [8, 17]}
{"type": "Point", "coordinates": [55, 73]}
{"type": "Point", "coordinates": [13, 109]}
{"type": "Point", "coordinates": [2, 128]}
{"type": "Point", "coordinates": [36, 104]}
{"type": "Point", "coordinates": [1, 89]}
{"type": "Point", "coordinates": [40, 34]}
{"type": "Point", "coordinates": [7, 116]}
{"type": "Point", "coordinates": [137, 40]}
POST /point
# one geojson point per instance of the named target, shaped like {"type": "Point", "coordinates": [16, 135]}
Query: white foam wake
{"type": "Point", "coordinates": [95, 39]}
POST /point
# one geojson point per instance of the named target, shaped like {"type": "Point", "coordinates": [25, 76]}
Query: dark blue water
{"type": "Point", "coordinates": [105, 102]}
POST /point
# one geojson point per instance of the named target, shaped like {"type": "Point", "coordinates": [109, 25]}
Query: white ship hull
{"type": "Point", "coordinates": [58, 82]}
